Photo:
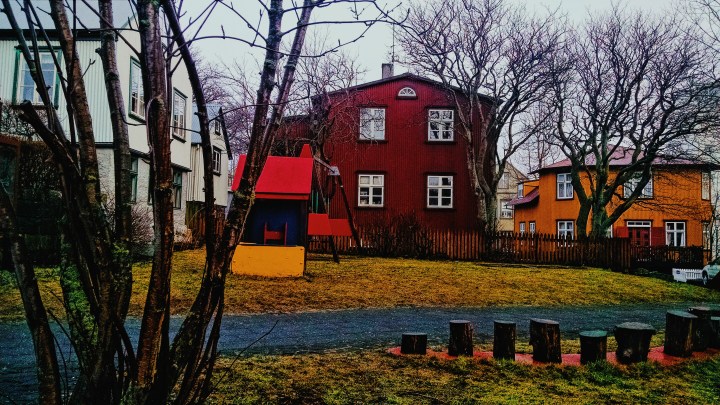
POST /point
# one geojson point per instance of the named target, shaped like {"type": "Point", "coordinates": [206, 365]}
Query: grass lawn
{"type": "Point", "coordinates": [381, 283]}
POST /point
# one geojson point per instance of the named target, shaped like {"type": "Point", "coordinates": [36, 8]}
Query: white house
{"type": "Point", "coordinates": [16, 85]}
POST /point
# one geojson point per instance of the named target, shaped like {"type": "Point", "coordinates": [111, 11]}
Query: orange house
{"type": "Point", "coordinates": [674, 208]}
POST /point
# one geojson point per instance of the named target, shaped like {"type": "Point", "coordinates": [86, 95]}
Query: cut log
{"type": "Point", "coordinates": [545, 340]}
{"type": "Point", "coordinates": [413, 343]}
{"type": "Point", "coordinates": [701, 339]}
{"type": "Point", "coordinates": [715, 332]}
{"type": "Point", "coordinates": [679, 333]}
{"type": "Point", "coordinates": [633, 342]}
{"type": "Point", "coordinates": [461, 338]}
{"type": "Point", "coordinates": [504, 340]}
{"type": "Point", "coordinates": [593, 346]}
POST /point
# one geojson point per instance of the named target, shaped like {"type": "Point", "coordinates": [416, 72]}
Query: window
{"type": "Point", "coordinates": [26, 84]}
{"type": "Point", "coordinates": [504, 182]}
{"type": "Point", "coordinates": [521, 190]}
{"type": "Point", "coordinates": [133, 179]}
{"type": "Point", "coordinates": [531, 225]}
{"type": "Point", "coordinates": [216, 160]}
{"type": "Point", "coordinates": [564, 186]}
{"type": "Point", "coordinates": [217, 127]}
{"type": "Point", "coordinates": [705, 194]}
{"type": "Point", "coordinates": [371, 190]}
{"type": "Point", "coordinates": [506, 210]}
{"type": "Point", "coordinates": [372, 124]}
{"type": "Point", "coordinates": [440, 191]}
{"type": "Point", "coordinates": [137, 94]}
{"type": "Point", "coordinates": [407, 92]}
{"type": "Point", "coordinates": [178, 121]}
{"type": "Point", "coordinates": [177, 189]}
{"type": "Point", "coordinates": [565, 229]}
{"type": "Point", "coordinates": [706, 236]}
{"type": "Point", "coordinates": [633, 183]}
{"type": "Point", "coordinates": [522, 227]}
{"type": "Point", "coordinates": [440, 125]}
{"type": "Point", "coordinates": [675, 233]}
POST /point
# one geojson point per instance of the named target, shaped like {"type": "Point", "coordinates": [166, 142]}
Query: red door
{"type": "Point", "coordinates": [639, 236]}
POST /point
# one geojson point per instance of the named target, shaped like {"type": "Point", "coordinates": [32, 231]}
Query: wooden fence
{"type": "Point", "coordinates": [614, 253]}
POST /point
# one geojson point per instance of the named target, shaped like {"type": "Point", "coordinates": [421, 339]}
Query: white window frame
{"type": "Point", "coordinates": [407, 92]}
{"type": "Point", "coordinates": [522, 227]}
{"type": "Point", "coordinates": [521, 190]}
{"type": "Point", "coordinates": [216, 160]}
{"type": "Point", "coordinates": [632, 184]}
{"type": "Point", "coordinates": [370, 187]}
{"type": "Point", "coordinates": [137, 93]}
{"type": "Point", "coordinates": [707, 241]}
{"type": "Point", "coordinates": [134, 166]}
{"type": "Point", "coordinates": [531, 226]}
{"type": "Point", "coordinates": [564, 187]}
{"type": "Point", "coordinates": [179, 114]}
{"type": "Point", "coordinates": [23, 72]}
{"type": "Point", "coordinates": [566, 229]}
{"type": "Point", "coordinates": [676, 233]}
{"type": "Point", "coordinates": [506, 210]}
{"type": "Point", "coordinates": [705, 187]}
{"type": "Point", "coordinates": [217, 127]}
{"type": "Point", "coordinates": [372, 124]}
{"type": "Point", "coordinates": [504, 182]}
{"type": "Point", "coordinates": [177, 189]}
{"type": "Point", "coordinates": [440, 191]}
{"type": "Point", "coordinates": [441, 121]}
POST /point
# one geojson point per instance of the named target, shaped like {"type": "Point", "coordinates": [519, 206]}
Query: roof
{"type": "Point", "coordinates": [282, 178]}
{"type": "Point", "coordinates": [406, 76]}
{"type": "Point", "coordinates": [622, 156]}
{"type": "Point", "coordinates": [530, 197]}
{"type": "Point", "coordinates": [86, 17]}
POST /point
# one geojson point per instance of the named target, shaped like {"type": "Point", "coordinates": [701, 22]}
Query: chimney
{"type": "Point", "coordinates": [387, 70]}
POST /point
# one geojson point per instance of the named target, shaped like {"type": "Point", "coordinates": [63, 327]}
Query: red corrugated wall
{"type": "Point", "coordinates": [405, 157]}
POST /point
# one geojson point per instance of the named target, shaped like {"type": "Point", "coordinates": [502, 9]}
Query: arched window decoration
{"type": "Point", "coordinates": [407, 92]}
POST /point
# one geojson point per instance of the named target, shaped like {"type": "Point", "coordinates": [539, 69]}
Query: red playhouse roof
{"type": "Point", "coordinates": [283, 178]}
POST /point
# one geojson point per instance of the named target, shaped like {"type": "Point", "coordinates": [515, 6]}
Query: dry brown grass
{"type": "Point", "coordinates": [377, 283]}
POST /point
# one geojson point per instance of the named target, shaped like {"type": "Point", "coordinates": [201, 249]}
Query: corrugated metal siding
{"type": "Point", "coordinates": [406, 158]}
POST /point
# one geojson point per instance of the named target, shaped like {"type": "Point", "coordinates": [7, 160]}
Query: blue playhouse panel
{"type": "Point", "coordinates": [276, 213]}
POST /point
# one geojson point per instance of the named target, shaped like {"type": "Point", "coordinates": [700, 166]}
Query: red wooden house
{"type": "Point", "coordinates": [397, 145]}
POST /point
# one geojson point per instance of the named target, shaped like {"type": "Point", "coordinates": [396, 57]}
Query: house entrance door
{"type": "Point", "coordinates": [639, 236]}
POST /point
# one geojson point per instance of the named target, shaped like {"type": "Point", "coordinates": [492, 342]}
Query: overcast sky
{"type": "Point", "coordinates": [374, 48]}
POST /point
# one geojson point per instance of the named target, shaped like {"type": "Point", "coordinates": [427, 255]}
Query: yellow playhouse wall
{"type": "Point", "coordinates": [269, 261]}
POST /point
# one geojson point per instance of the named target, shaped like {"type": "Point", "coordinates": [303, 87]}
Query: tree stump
{"type": "Point", "coordinates": [461, 338]}
{"type": "Point", "coordinates": [504, 340]}
{"type": "Point", "coordinates": [701, 339]}
{"type": "Point", "coordinates": [633, 341]}
{"type": "Point", "coordinates": [413, 343]}
{"type": "Point", "coordinates": [715, 332]}
{"type": "Point", "coordinates": [545, 340]}
{"type": "Point", "coordinates": [679, 333]}
{"type": "Point", "coordinates": [593, 346]}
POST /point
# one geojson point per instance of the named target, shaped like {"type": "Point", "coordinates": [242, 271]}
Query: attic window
{"type": "Point", "coordinates": [407, 92]}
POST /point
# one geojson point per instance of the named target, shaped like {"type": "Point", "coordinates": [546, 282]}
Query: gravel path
{"type": "Point", "coordinates": [311, 332]}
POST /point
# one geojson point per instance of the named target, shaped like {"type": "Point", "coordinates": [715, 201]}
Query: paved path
{"type": "Point", "coordinates": [338, 330]}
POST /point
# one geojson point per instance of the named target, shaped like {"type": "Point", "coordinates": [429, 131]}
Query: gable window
{"type": "Point", "coordinates": [407, 92]}
{"type": "Point", "coordinates": [371, 190]}
{"type": "Point", "coordinates": [26, 84]}
{"type": "Point", "coordinates": [372, 124]}
{"type": "Point", "coordinates": [504, 182]}
{"type": "Point", "coordinates": [216, 159]}
{"type": "Point", "coordinates": [506, 210]}
{"type": "Point", "coordinates": [137, 95]}
{"type": "Point", "coordinates": [440, 125]}
{"type": "Point", "coordinates": [707, 240]}
{"type": "Point", "coordinates": [133, 179]}
{"type": "Point", "coordinates": [565, 229]}
{"type": "Point", "coordinates": [564, 186]}
{"type": "Point", "coordinates": [440, 191]}
{"type": "Point", "coordinates": [705, 186]}
{"type": "Point", "coordinates": [217, 127]}
{"type": "Point", "coordinates": [178, 120]}
{"type": "Point", "coordinates": [675, 233]}
{"type": "Point", "coordinates": [521, 190]}
{"type": "Point", "coordinates": [177, 189]}
{"type": "Point", "coordinates": [531, 225]}
{"type": "Point", "coordinates": [634, 182]}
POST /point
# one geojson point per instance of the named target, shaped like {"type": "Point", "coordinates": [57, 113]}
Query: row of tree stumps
{"type": "Point", "coordinates": [686, 331]}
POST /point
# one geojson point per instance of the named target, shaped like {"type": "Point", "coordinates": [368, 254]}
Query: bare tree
{"type": "Point", "coordinates": [96, 274]}
{"type": "Point", "coordinates": [492, 58]}
{"type": "Point", "coordinates": [628, 87]}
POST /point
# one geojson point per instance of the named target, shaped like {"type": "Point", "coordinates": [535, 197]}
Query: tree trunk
{"type": "Point", "coordinates": [703, 330]}
{"type": "Point", "coordinates": [413, 343]}
{"type": "Point", "coordinates": [593, 346]}
{"type": "Point", "coordinates": [679, 332]}
{"type": "Point", "coordinates": [545, 340]}
{"type": "Point", "coordinates": [633, 342]}
{"type": "Point", "coordinates": [504, 334]}
{"type": "Point", "coordinates": [461, 338]}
